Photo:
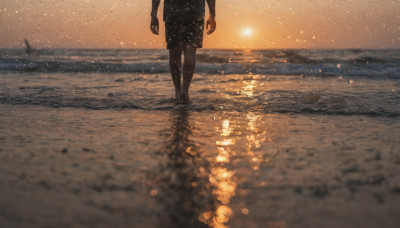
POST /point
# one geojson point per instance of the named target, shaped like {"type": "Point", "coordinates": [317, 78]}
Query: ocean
{"type": "Point", "coordinates": [274, 138]}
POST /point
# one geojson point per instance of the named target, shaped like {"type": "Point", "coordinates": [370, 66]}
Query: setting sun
{"type": "Point", "coordinates": [247, 32]}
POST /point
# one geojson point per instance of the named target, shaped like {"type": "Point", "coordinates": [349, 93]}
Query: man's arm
{"type": "Point", "coordinates": [211, 20]}
{"type": "Point", "coordinates": [154, 25]}
{"type": "Point", "coordinates": [211, 7]}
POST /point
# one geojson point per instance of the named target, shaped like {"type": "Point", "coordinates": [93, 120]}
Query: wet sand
{"type": "Point", "coordinates": [69, 167]}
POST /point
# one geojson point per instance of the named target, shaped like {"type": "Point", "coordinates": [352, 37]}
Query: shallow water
{"type": "Point", "coordinates": [261, 93]}
{"type": "Point", "coordinates": [254, 150]}
{"type": "Point", "coordinates": [180, 168]}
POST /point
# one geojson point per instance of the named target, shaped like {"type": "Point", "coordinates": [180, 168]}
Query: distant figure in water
{"type": "Point", "coordinates": [28, 49]}
{"type": "Point", "coordinates": [184, 25]}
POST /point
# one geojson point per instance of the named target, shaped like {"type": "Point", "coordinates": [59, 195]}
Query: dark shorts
{"type": "Point", "coordinates": [188, 32]}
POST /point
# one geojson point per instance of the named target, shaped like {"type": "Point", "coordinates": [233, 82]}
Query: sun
{"type": "Point", "coordinates": [246, 32]}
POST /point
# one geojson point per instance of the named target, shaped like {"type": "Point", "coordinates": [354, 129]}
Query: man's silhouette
{"type": "Point", "coordinates": [184, 25]}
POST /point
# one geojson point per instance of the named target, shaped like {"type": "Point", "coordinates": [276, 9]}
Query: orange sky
{"type": "Point", "coordinates": [274, 24]}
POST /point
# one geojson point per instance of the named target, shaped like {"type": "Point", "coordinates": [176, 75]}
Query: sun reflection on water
{"type": "Point", "coordinates": [223, 154]}
{"type": "Point", "coordinates": [226, 129]}
{"type": "Point", "coordinates": [225, 142]}
{"type": "Point", "coordinates": [249, 147]}
{"type": "Point", "coordinates": [222, 179]}
{"type": "Point", "coordinates": [248, 88]}
{"type": "Point", "coordinates": [224, 183]}
{"type": "Point", "coordinates": [254, 140]}
{"type": "Point", "coordinates": [222, 216]}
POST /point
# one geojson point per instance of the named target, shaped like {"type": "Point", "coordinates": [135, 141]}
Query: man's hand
{"type": "Point", "coordinates": [154, 25]}
{"type": "Point", "coordinates": [213, 25]}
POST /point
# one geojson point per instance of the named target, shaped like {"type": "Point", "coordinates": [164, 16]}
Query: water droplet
{"type": "Point", "coordinates": [153, 192]}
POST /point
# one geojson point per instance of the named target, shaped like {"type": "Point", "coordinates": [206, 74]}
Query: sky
{"type": "Point", "coordinates": [248, 24]}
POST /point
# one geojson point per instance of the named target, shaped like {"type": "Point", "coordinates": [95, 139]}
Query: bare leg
{"type": "Point", "coordinates": [189, 66]}
{"type": "Point", "coordinates": [175, 67]}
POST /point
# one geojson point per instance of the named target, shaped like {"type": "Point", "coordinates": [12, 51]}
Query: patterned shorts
{"type": "Point", "coordinates": [188, 32]}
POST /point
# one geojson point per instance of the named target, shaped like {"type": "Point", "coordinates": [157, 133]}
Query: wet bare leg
{"type": "Point", "coordinates": [175, 67]}
{"type": "Point", "coordinates": [189, 65]}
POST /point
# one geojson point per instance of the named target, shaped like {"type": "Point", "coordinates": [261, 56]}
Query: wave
{"type": "Point", "coordinates": [364, 63]}
{"type": "Point", "coordinates": [316, 69]}
{"type": "Point", "coordinates": [297, 103]}
{"type": "Point", "coordinates": [58, 101]}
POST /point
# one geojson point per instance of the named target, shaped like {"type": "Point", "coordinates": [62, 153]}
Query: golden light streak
{"type": "Point", "coordinates": [226, 129]}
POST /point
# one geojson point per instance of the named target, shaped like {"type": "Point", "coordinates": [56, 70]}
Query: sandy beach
{"type": "Point", "coordinates": [182, 168]}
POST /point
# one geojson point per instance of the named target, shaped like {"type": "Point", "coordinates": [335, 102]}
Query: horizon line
{"type": "Point", "coordinates": [226, 49]}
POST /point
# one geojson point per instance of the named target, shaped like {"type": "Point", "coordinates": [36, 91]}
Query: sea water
{"type": "Point", "coordinates": [274, 138]}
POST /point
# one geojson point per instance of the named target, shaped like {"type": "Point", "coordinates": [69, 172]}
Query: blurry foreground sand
{"type": "Point", "coordinates": [181, 168]}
